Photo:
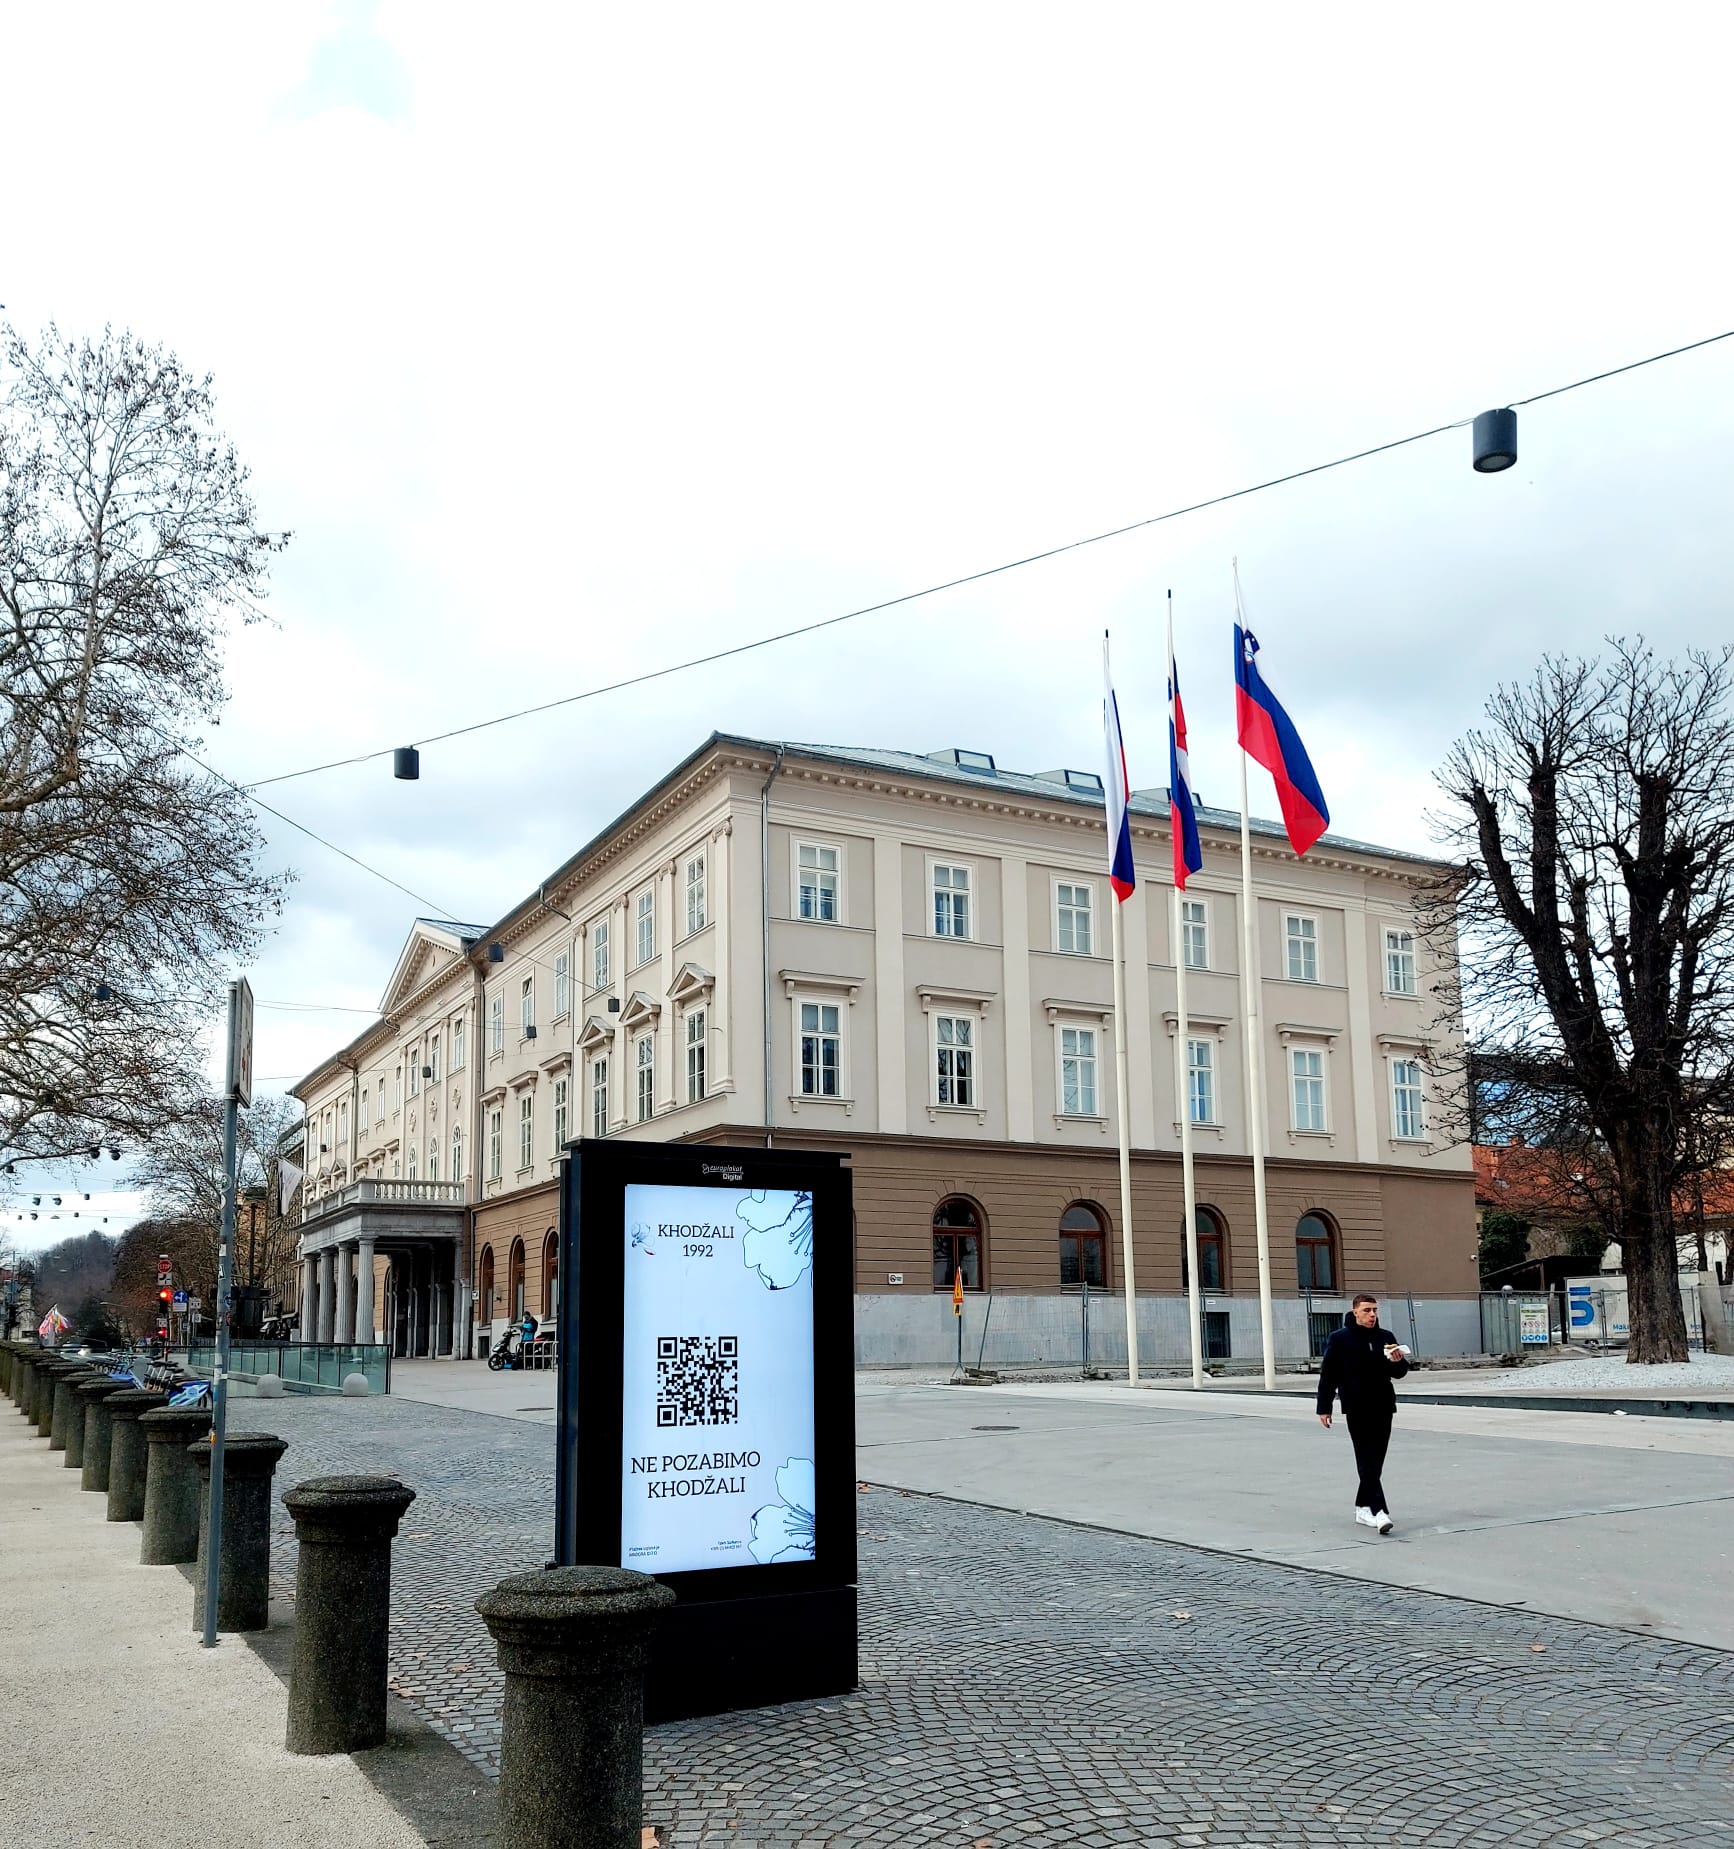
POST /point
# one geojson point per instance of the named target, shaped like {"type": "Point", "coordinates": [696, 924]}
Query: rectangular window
{"type": "Point", "coordinates": [396, 1089]}
{"type": "Point", "coordinates": [821, 1051]}
{"type": "Point", "coordinates": [343, 1125]}
{"type": "Point", "coordinates": [561, 1088]}
{"type": "Point", "coordinates": [414, 1071]}
{"type": "Point", "coordinates": [695, 1044]}
{"type": "Point", "coordinates": [1201, 1080]}
{"type": "Point", "coordinates": [1408, 1118]}
{"type": "Point", "coordinates": [433, 1161]}
{"type": "Point", "coordinates": [646, 915]}
{"type": "Point", "coordinates": [1400, 962]}
{"type": "Point", "coordinates": [817, 897]}
{"type": "Point", "coordinates": [1307, 1082]}
{"type": "Point", "coordinates": [526, 1129]}
{"type": "Point", "coordinates": [562, 984]}
{"type": "Point", "coordinates": [954, 1060]}
{"type": "Point", "coordinates": [495, 1152]}
{"type": "Point", "coordinates": [950, 901]}
{"type": "Point", "coordinates": [433, 1056]}
{"type": "Point", "coordinates": [527, 1006]}
{"type": "Point", "coordinates": [1195, 933]}
{"type": "Point", "coordinates": [695, 895]}
{"type": "Point", "coordinates": [361, 1098]}
{"type": "Point", "coordinates": [409, 1171]}
{"type": "Point", "coordinates": [382, 1097]}
{"type": "Point", "coordinates": [457, 1046]}
{"type": "Point", "coordinates": [646, 1069]}
{"type": "Point", "coordinates": [1078, 1072]}
{"type": "Point", "coordinates": [599, 1097]}
{"type": "Point", "coordinates": [599, 977]}
{"type": "Point", "coordinates": [1072, 925]}
{"type": "Point", "coordinates": [457, 1155]}
{"type": "Point", "coordinates": [1301, 939]}
{"type": "Point", "coordinates": [496, 1024]}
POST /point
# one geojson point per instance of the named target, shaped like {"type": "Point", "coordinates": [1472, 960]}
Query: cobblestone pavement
{"type": "Point", "coordinates": [1028, 1684]}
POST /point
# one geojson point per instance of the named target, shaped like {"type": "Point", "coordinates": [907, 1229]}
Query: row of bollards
{"type": "Point", "coordinates": [571, 1640]}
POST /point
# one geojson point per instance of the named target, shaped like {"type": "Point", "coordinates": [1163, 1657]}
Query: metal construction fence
{"type": "Point", "coordinates": [1086, 1328]}
{"type": "Point", "coordinates": [303, 1367]}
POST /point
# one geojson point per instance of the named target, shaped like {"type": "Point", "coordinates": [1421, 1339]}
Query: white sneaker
{"type": "Point", "coordinates": [1383, 1522]}
{"type": "Point", "coordinates": [1367, 1518]}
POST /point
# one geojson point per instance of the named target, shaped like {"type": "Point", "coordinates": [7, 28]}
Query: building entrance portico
{"type": "Point", "coordinates": [381, 1261]}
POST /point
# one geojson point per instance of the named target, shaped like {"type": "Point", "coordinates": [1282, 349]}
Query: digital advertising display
{"type": "Point", "coordinates": [706, 1411]}
{"type": "Point", "coordinates": [717, 1378]}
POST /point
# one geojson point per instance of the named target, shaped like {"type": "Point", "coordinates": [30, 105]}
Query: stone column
{"type": "Point", "coordinates": [171, 1509]}
{"type": "Point", "coordinates": [6, 1366]}
{"type": "Point", "coordinates": [93, 1472]}
{"type": "Point", "coordinates": [244, 1572]}
{"type": "Point", "coordinates": [65, 1398]}
{"type": "Point", "coordinates": [327, 1296]}
{"type": "Point", "coordinates": [128, 1459]}
{"type": "Point", "coordinates": [364, 1291]}
{"type": "Point", "coordinates": [24, 1382]}
{"type": "Point", "coordinates": [309, 1324]}
{"type": "Point", "coordinates": [344, 1330]}
{"type": "Point", "coordinates": [345, 1527]}
{"type": "Point", "coordinates": [571, 1643]}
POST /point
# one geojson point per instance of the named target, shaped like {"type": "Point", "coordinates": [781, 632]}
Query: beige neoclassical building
{"type": "Point", "coordinates": [905, 958]}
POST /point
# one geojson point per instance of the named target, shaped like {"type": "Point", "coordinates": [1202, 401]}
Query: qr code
{"type": "Point", "coordinates": [698, 1380]}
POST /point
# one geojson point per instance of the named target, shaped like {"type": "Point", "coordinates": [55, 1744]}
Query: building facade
{"type": "Point", "coordinates": [905, 958]}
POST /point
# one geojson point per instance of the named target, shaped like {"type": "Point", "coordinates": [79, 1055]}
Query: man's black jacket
{"type": "Point", "coordinates": [1354, 1367]}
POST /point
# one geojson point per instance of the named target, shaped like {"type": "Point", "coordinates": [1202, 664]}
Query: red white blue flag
{"type": "Point", "coordinates": [1182, 815]}
{"type": "Point", "coordinates": [1268, 737]}
{"type": "Point", "coordinates": [1119, 790]}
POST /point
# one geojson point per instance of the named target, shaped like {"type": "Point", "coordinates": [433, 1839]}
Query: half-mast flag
{"type": "Point", "coordinates": [1267, 736]}
{"type": "Point", "coordinates": [1121, 875]}
{"type": "Point", "coordinates": [1182, 815]}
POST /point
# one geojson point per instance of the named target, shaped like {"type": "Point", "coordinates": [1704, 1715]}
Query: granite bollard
{"type": "Point", "coordinates": [244, 1572]}
{"type": "Point", "coordinates": [93, 1469]}
{"type": "Point", "coordinates": [171, 1509]}
{"type": "Point", "coordinates": [345, 1527]}
{"type": "Point", "coordinates": [65, 1398]}
{"type": "Point", "coordinates": [6, 1365]}
{"type": "Point", "coordinates": [21, 1379]}
{"type": "Point", "coordinates": [74, 1386]}
{"type": "Point", "coordinates": [36, 1373]}
{"type": "Point", "coordinates": [571, 1643]}
{"type": "Point", "coordinates": [48, 1372]}
{"type": "Point", "coordinates": [128, 1452]}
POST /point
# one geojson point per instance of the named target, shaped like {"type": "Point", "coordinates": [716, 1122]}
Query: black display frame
{"type": "Point", "coordinates": [590, 1392]}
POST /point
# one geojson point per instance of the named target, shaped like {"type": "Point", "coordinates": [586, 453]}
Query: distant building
{"type": "Point", "coordinates": [905, 958]}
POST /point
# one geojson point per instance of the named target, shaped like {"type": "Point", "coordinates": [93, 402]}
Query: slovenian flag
{"type": "Point", "coordinates": [1119, 789]}
{"type": "Point", "coordinates": [1183, 817]}
{"type": "Point", "coordinates": [1267, 736]}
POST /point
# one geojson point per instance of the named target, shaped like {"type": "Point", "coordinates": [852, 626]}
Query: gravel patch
{"type": "Point", "coordinates": [1610, 1374]}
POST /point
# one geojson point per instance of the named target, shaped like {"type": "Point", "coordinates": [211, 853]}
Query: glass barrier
{"type": "Point", "coordinates": [307, 1367]}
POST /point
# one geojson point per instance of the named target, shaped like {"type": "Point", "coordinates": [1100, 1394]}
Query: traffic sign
{"type": "Point", "coordinates": [240, 1076]}
{"type": "Point", "coordinates": [180, 1300]}
{"type": "Point", "coordinates": [957, 1293]}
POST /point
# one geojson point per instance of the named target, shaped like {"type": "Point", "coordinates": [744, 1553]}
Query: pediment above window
{"type": "Point", "coordinates": [641, 1010]}
{"type": "Point", "coordinates": [692, 984]}
{"type": "Point", "coordinates": [598, 1035]}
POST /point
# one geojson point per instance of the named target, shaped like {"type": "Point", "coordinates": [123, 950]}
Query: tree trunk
{"type": "Point", "coordinates": [1655, 1314]}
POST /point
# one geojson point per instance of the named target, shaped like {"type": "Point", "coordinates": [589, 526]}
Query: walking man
{"type": "Point", "coordinates": [1360, 1362]}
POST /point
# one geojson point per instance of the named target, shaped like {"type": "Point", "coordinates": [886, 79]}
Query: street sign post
{"type": "Point", "coordinates": [239, 1093]}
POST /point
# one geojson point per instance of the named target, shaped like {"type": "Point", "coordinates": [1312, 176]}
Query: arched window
{"type": "Point", "coordinates": [1212, 1252]}
{"type": "Point", "coordinates": [550, 1266]}
{"type": "Point", "coordinates": [959, 1243]}
{"type": "Point", "coordinates": [1315, 1253]}
{"type": "Point", "coordinates": [1083, 1247]}
{"type": "Point", "coordinates": [515, 1283]}
{"type": "Point", "coordinates": [485, 1284]}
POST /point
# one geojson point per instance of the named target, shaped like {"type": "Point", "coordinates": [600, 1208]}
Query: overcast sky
{"type": "Point", "coordinates": [572, 342]}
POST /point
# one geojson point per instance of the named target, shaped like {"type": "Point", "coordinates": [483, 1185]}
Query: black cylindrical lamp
{"type": "Point", "coordinates": [1495, 441]}
{"type": "Point", "coordinates": [406, 760]}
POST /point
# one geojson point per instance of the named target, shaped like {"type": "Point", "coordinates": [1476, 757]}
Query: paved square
{"type": "Point", "coordinates": [1029, 1682]}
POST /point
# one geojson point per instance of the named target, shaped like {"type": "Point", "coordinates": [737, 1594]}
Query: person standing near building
{"type": "Point", "coordinates": [1360, 1362]}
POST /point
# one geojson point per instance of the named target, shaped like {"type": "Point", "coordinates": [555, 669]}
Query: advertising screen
{"type": "Point", "coordinates": [717, 1378]}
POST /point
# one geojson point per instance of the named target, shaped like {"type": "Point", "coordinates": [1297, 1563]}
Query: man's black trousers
{"type": "Point", "coordinates": [1370, 1432]}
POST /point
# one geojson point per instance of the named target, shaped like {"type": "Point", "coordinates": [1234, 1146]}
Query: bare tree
{"type": "Point", "coordinates": [1594, 815]}
{"type": "Point", "coordinates": [128, 874]}
{"type": "Point", "coordinates": [182, 1171]}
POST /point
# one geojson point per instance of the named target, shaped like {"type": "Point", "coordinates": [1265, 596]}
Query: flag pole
{"type": "Point", "coordinates": [1121, 1101]}
{"type": "Point", "coordinates": [1251, 985]}
{"type": "Point", "coordinates": [1188, 1184]}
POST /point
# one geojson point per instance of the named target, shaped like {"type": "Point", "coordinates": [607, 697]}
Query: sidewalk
{"type": "Point", "coordinates": [117, 1724]}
